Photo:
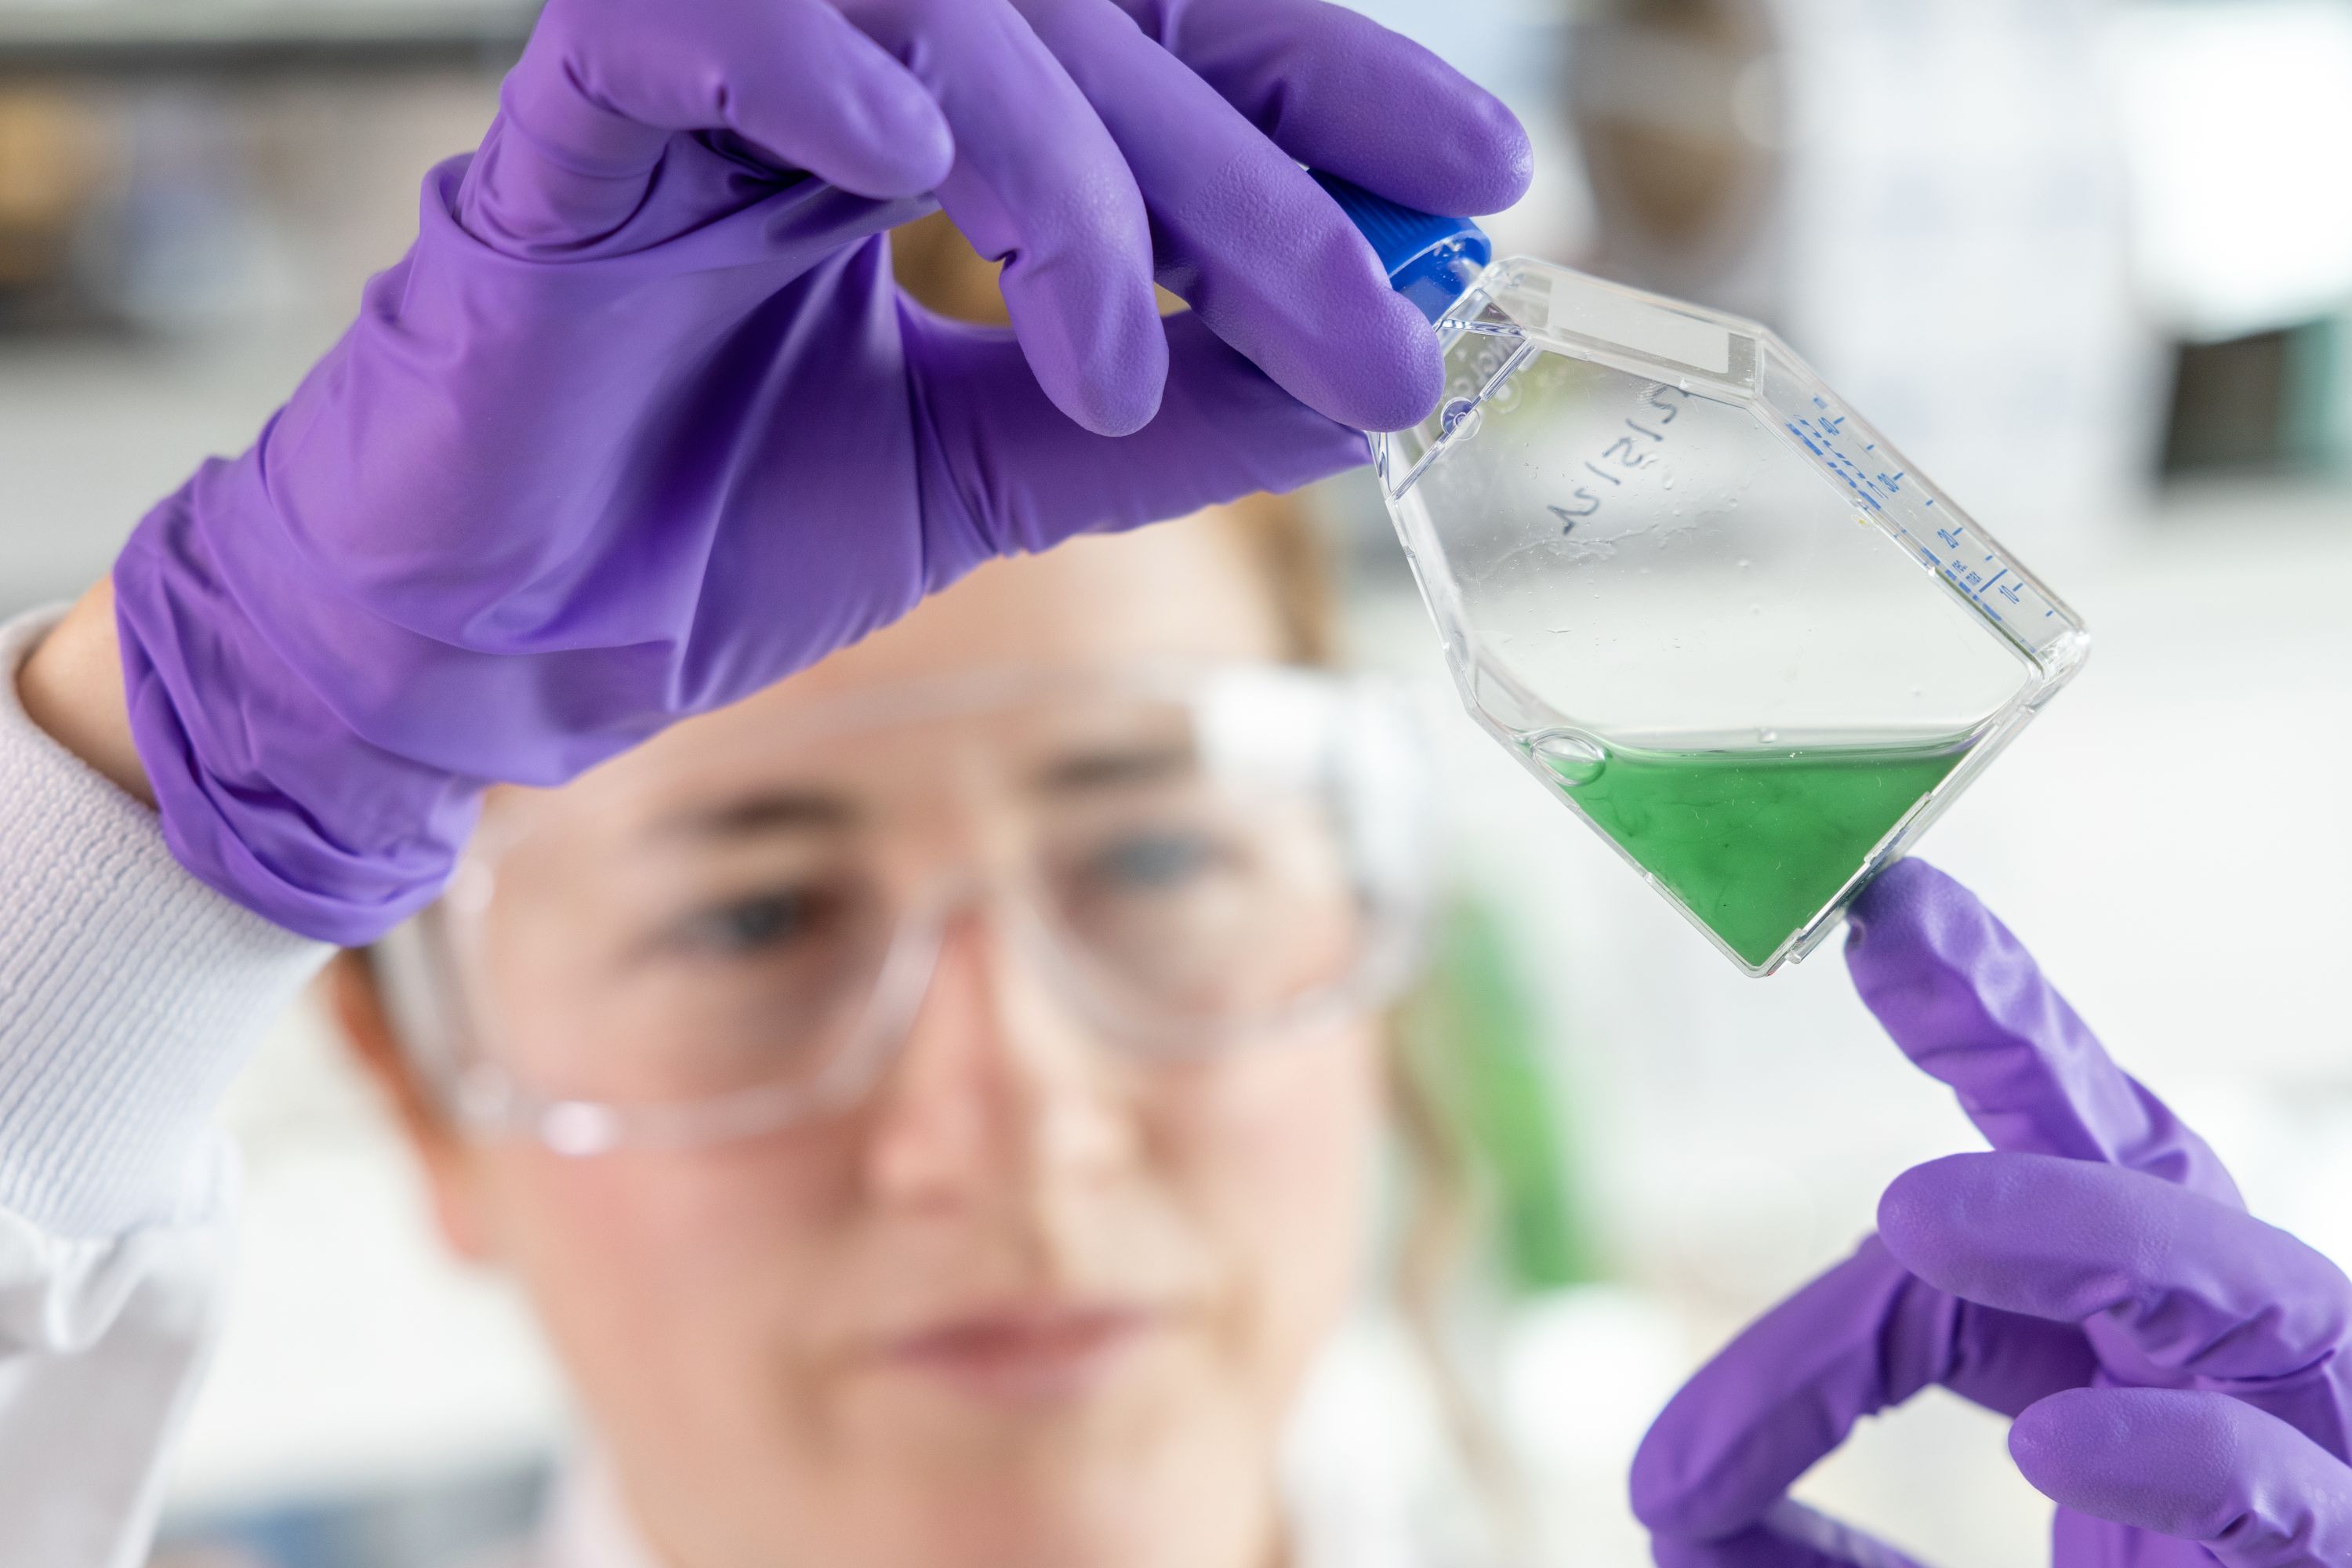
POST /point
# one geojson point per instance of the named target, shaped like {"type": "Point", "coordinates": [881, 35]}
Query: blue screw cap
{"type": "Point", "coordinates": [1430, 259]}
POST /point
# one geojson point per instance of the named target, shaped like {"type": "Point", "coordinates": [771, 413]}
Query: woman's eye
{"type": "Point", "coordinates": [1157, 861]}
{"type": "Point", "coordinates": [766, 923]}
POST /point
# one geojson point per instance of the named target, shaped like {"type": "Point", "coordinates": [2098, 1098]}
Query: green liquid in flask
{"type": "Point", "coordinates": [1756, 842]}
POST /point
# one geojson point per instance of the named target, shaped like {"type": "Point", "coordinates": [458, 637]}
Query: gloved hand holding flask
{"type": "Point", "coordinates": [641, 424]}
{"type": "Point", "coordinates": [2179, 1372]}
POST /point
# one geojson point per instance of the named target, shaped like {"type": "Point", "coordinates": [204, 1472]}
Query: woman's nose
{"type": "Point", "coordinates": [997, 1087]}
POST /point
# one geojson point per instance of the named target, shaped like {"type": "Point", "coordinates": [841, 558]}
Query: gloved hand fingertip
{"type": "Point", "coordinates": [904, 146]}
{"type": "Point", "coordinates": [1657, 1497]}
{"type": "Point", "coordinates": [1115, 386]}
{"type": "Point", "coordinates": [1913, 914]}
{"type": "Point", "coordinates": [1906, 878]}
{"type": "Point", "coordinates": [2046, 1439]}
{"type": "Point", "coordinates": [1677, 1494]}
{"type": "Point", "coordinates": [1115, 417]}
{"type": "Point", "coordinates": [1376, 412]}
{"type": "Point", "coordinates": [2030, 1436]}
{"type": "Point", "coordinates": [1917, 1210]}
{"type": "Point", "coordinates": [1382, 421]}
{"type": "Point", "coordinates": [1509, 167]}
{"type": "Point", "coordinates": [911, 167]}
{"type": "Point", "coordinates": [1119, 405]}
{"type": "Point", "coordinates": [1898, 1208]}
{"type": "Point", "coordinates": [1487, 156]}
{"type": "Point", "coordinates": [1408, 394]}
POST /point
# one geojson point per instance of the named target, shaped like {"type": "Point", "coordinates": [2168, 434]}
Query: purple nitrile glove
{"type": "Point", "coordinates": [2180, 1373]}
{"type": "Point", "coordinates": [641, 424]}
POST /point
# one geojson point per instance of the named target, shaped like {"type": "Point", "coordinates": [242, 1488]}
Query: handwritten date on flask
{"type": "Point", "coordinates": [1637, 451]}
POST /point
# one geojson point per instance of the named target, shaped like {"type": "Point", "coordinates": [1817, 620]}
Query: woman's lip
{"type": "Point", "coordinates": [1025, 1355]}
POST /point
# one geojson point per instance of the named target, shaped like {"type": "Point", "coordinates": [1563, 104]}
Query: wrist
{"type": "Point", "coordinates": [71, 687]}
{"type": "Point", "coordinates": [267, 792]}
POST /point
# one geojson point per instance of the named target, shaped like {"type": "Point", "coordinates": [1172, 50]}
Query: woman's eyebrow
{"type": "Point", "coordinates": [769, 811]}
{"type": "Point", "coordinates": [1107, 767]}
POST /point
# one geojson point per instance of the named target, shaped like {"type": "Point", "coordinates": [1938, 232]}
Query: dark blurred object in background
{"type": "Point", "coordinates": [1676, 107]}
{"type": "Point", "coordinates": [57, 161]}
{"type": "Point", "coordinates": [2237, 120]}
{"type": "Point", "coordinates": [2275, 402]}
{"type": "Point", "coordinates": [175, 166]}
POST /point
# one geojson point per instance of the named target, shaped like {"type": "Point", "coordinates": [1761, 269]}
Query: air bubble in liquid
{"type": "Point", "coordinates": [1570, 757]}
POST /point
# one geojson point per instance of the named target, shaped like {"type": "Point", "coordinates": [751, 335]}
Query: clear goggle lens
{"type": "Point", "coordinates": [733, 935]}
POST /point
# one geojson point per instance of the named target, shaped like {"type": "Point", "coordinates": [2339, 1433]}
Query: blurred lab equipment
{"type": "Point", "coordinates": [1678, 118]}
{"type": "Point", "coordinates": [1925, 198]}
{"type": "Point", "coordinates": [54, 157]}
{"type": "Point", "coordinates": [1636, 525]}
{"type": "Point", "coordinates": [2237, 120]}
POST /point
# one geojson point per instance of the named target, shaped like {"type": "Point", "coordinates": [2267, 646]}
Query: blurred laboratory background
{"type": "Point", "coordinates": [2088, 261]}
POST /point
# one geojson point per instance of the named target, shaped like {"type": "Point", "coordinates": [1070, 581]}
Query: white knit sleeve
{"type": "Point", "coordinates": [129, 993]}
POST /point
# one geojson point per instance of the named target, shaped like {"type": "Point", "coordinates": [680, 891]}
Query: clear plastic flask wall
{"type": "Point", "coordinates": [1702, 602]}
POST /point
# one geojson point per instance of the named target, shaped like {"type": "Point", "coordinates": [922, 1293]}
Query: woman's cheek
{"type": "Point", "coordinates": [1284, 1152]}
{"type": "Point", "coordinates": [640, 1238]}
{"type": "Point", "coordinates": [1301, 1118]}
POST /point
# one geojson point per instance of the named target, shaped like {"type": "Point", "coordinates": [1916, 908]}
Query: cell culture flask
{"type": "Point", "coordinates": [1696, 594]}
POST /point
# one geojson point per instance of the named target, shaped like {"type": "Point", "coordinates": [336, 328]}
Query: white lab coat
{"type": "Point", "coordinates": [128, 994]}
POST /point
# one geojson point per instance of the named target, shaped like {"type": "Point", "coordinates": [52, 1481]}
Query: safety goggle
{"type": "Point", "coordinates": [738, 933]}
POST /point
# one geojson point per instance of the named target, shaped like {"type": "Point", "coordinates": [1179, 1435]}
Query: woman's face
{"type": "Point", "coordinates": [1027, 1304]}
